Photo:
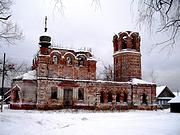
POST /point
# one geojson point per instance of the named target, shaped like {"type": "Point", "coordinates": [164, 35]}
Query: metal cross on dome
{"type": "Point", "coordinates": [45, 29]}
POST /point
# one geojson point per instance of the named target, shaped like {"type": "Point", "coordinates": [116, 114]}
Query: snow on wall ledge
{"type": "Point", "coordinates": [30, 75]}
{"type": "Point", "coordinates": [139, 81]}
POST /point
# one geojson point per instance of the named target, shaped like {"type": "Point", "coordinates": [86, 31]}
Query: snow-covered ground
{"type": "Point", "coordinates": [66, 122]}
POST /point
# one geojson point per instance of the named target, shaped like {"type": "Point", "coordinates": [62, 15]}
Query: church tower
{"type": "Point", "coordinates": [127, 56]}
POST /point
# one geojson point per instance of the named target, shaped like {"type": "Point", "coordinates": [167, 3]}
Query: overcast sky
{"type": "Point", "coordinates": [82, 26]}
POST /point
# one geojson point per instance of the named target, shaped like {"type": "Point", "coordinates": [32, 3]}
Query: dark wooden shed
{"type": "Point", "coordinates": [175, 104]}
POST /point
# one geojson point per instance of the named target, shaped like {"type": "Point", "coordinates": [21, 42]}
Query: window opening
{"type": "Point", "coordinates": [125, 97]}
{"type": "Point", "coordinates": [69, 60]}
{"type": "Point", "coordinates": [117, 97]}
{"type": "Point", "coordinates": [81, 94]}
{"type": "Point", "coordinates": [55, 59]}
{"type": "Point", "coordinates": [54, 93]}
{"type": "Point", "coordinates": [80, 61]}
{"type": "Point", "coordinates": [144, 98]}
{"type": "Point", "coordinates": [109, 97]}
{"type": "Point", "coordinates": [102, 97]}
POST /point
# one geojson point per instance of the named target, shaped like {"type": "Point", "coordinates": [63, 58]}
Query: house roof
{"type": "Point", "coordinates": [175, 100]}
{"type": "Point", "coordinates": [159, 90]}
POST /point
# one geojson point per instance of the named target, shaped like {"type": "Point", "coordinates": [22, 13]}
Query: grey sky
{"type": "Point", "coordinates": [82, 26]}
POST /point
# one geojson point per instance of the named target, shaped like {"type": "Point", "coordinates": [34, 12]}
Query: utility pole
{"type": "Point", "coordinates": [2, 91]}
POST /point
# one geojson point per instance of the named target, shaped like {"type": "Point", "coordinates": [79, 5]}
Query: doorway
{"type": "Point", "coordinates": [68, 98]}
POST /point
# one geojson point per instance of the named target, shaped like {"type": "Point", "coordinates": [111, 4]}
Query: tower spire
{"type": "Point", "coordinates": [45, 29]}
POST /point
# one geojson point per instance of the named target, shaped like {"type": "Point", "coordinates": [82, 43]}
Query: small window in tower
{"type": "Point", "coordinates": [81, 94]}
{"type": "Point", "coordinates": [117, 97]}
{"type": "Point", "coordinates": [133, 43]}
{"type": "Point", "coordinates": [54, 93]}
{"type": "Point", "coordinates": [124, 42]}
{"type": "Point", "coordinates": [55, 59]}
{"type": "Point", "coordinates": [69, 60]}
{"type": "Point", "coordinates": [102, 97]}
{"type": "Point", "coordinates": [109, 97]}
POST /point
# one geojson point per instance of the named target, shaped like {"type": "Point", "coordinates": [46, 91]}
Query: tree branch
{"type": "Point", "coordinates": [5, 18]}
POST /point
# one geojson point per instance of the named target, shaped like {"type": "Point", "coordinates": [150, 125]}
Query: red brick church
{"type": "Point", "coordinates": [64, 78]}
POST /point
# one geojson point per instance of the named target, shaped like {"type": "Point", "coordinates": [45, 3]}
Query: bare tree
{"type": "Point", "coordinates": [13, 69]}
{"type": "Point", "coordinates": [166, 12]}
{"type": "Point", "coordinates": [106, 72]}
{"type": "Point", "coordinates": [153, 76]}
{"type": "Point", "coordinates": [9, 32]}
{"type": "Point", "coordinates": [59, 6]}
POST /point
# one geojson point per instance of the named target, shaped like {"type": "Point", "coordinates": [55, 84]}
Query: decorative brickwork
{"type": "Point", "coordinates": [63, 63]}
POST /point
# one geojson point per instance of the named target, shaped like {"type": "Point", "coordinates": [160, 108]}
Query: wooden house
{"type": "Point", "coordinates": [163, 95]}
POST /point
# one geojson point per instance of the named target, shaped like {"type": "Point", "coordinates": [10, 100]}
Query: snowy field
{"type": "Point", "coordinates": [66, 122]}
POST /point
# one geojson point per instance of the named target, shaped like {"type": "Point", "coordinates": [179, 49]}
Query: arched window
{"type": "Point", "coordinates": [69, 61]}
{"type": "Point", "coordinates": [81, 94]}
{"type": "Point", "coordinates": [144, 98]}
{"type": "Point", "coordinates": [125, 97]}
{"type": "Point", "coordinates": [53, 92]}
{"type": "Point", "coordinates": [55, 59]}
{"type": "Point", "coordinates": [117, 97]}
{"type": "Point", "coordinates": [80, 61]}
{"type": "Point", "coordinates": [102, 97]}
{"type": "Point", "coordinates": [109, 97]}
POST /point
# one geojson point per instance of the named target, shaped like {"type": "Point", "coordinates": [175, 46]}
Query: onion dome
{"type": "Point", "coordinates": [45, 39]}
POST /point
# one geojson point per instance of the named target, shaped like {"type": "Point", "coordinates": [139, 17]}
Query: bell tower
{"type": "Point", "coordinates": [127, 56]}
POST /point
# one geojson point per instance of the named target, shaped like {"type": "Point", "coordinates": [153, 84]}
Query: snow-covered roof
{"type": "Point", "coordinates": [30, 75]}
{"type": "Point", "coordinates": [175, 100]}
{"type": "Point", "coordinates": [91, 58]}
{"type": "Point", "coordinates": [139, 81]}
{"type": "Point", "coordinates": [134, 81]}
{"type": "Point", "coordinates": [78, 80]}
{"type": "Point", "coordinates": [159, 89]}
{"type": "Point", "coordinates": [176, 93]}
